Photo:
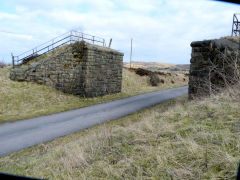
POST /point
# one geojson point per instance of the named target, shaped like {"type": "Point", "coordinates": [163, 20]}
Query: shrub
{"type": "Point", "coordinates": [226, 73]}
{"type": "Point", "coordinates": [154, 79]}
{"type": "Point", "coordinates": [2, 64]}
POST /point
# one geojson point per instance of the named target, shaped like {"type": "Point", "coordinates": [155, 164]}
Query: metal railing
{"type": "Point", "coordinates": [67, 38]}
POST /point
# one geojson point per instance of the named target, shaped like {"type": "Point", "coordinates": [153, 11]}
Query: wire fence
{"type": "Point", "coordinates": [67, 38]}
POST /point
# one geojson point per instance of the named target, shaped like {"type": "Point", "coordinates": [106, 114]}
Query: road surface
{"type": "Point", "coordinates": [21, 134]}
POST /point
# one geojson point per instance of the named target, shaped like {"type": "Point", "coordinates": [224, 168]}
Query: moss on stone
{"type": "Point", "coordinates": [78, 50]}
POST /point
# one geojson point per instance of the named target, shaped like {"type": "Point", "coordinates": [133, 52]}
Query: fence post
{"type": "Point", "coordinates": [93, 39]}
{"type": "Point", "coordinates": [12, 60]}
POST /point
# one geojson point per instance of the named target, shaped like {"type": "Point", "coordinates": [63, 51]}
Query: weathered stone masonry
{"type": "Point", "coordinates": [80, 69]}
{"type": "Point", "coordinates": [213, 65]}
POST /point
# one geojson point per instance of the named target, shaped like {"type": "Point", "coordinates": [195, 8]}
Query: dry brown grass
{"type": "Point", "coordinates": [234, 39]}
{"type": "Point", "coordinates": [21, 100]}
{"type": "Point", "coordinates": [174, 140]}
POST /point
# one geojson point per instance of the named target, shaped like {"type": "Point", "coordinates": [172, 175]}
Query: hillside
{"type": "Point", "coordinates": [21, 100]}
{"type": "Point", "coordinates": [173, 140]}
{"type": "Point", "coordinates": [136, 64]}
{"type": "Point", "coordinates": [155, 66]}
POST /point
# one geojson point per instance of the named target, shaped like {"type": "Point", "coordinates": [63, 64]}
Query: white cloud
{"type": "Point", "coordinates": [7, 16]}
{"type": "Point", "coordinates": [140, 6]}
{"type": "Point", "coordinates": [44, 4]}
{"type": "Point", "coordinates": [162, 30]}
{"type": "Point", "coordinates": [16, 36]}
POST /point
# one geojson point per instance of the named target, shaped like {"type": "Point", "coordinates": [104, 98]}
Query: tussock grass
{"type": "Point", "coordinates": [234, 39]}
{"type": "Point", "coordinates": [21, 100]}
{"type": "Point", "coordinates": [173, 140]}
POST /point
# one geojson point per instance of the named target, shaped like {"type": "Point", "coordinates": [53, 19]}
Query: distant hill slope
{"type": "Point", "coordinates": [137, 64]}
{"type": "Point", "coordinates": [158, 66]}
{"type": "Point", "coordinates": [184, 67]}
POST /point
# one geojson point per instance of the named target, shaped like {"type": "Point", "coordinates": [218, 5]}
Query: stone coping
{"type": "Point", "coordinates": [219, 43]}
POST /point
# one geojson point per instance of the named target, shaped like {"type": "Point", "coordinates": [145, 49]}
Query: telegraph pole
{"type": "Point", "coordinates": [131, 55]}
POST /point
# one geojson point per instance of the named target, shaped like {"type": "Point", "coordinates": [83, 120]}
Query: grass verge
{"type": "Point", "coordinates": [173, 140]}
{"type": "Point", "coordinates": [22, 100]}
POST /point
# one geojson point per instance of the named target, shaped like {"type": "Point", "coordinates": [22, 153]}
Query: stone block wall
{"type": "Point", "coordinates": [214, 64]}
{"type": "Point", "coordinates": [103, 73]}
{"type": "Point", "coordinates": [80, 69]}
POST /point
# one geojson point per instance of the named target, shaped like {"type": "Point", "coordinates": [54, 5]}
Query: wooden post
{"type": "Point", "coordinates": [12, 60]}
{"type": "Point", "coordinates": [110, 43]}
{"type": "Point", "coordinates": [131, 55]}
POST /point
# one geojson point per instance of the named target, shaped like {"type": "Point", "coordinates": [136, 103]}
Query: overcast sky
{"type": "Point", "coordinates": [162, 30]}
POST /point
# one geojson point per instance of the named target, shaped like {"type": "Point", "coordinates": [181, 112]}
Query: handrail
{"type": "Point", "coordinates": [66, 38]}
{"type": "Point", "coordinates": [44, 48]}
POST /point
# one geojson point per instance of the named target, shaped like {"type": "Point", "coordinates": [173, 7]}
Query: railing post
{"type": "Point", "coordinates": [110, 43]}
{"type": "Point", "coordinates": [70, 37]}
{"type": "Point", "coordinates": [93, 39]}
{"type": "Point", "coordinates": [12, 60]}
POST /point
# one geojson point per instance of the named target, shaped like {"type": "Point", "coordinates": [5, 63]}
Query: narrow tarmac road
{"type": "Point", "coordinates": [21, 134]}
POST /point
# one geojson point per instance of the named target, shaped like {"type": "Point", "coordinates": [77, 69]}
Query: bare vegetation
{"type": "Point", "coordinates": [226, 73]}
{"type": "Point", "coordinates": [223, 72]}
